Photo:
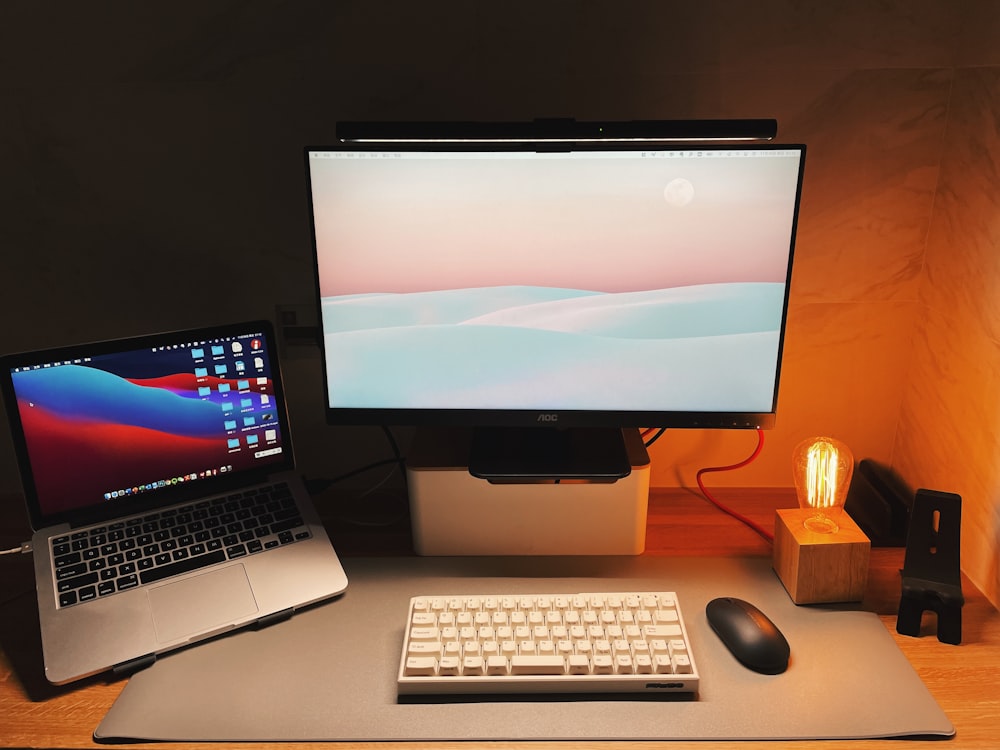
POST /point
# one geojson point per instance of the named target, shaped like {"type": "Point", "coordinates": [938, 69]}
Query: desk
{"type": "Point", "coordinates": [962, 679]}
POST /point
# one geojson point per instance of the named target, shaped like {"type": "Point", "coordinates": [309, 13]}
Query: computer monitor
{"type": "Point", "coordinates": [576, 286]}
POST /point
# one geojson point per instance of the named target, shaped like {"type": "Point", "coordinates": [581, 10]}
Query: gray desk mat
{"type": "Point", "coordinates": [329, 673]}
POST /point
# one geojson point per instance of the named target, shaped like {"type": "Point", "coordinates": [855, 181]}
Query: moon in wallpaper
{"type": "Point", "coordinates": [679, 192]}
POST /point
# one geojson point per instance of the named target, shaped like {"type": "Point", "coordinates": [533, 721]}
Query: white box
{"type": "Point", "coordinates": [455, 513]}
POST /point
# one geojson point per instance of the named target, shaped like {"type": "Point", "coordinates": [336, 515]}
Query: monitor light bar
{"type": "Point", "coordinates": [559, 131]}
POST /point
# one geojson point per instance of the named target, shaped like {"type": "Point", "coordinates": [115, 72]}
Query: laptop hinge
{"type": "Point", "coordinates": [130, 667]}
{"type": "Point", "coordinates": [266, 620]}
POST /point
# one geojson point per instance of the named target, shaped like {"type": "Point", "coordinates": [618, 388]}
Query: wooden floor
{"type": "Point", "coordinates": [965, 679]}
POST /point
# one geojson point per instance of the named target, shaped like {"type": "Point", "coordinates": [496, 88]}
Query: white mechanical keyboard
{"type": "Point", "coordinates": [546, 643]}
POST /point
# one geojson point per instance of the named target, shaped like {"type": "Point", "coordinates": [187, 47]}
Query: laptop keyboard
{"type": "Point", "coordinates": [103, 560]}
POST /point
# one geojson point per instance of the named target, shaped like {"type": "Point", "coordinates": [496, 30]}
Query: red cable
{"type": "Point", "coordinates": [768, 536]}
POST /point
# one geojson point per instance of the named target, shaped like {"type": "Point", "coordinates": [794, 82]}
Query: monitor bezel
{"type": "Point", "coordinates": [597, 418]}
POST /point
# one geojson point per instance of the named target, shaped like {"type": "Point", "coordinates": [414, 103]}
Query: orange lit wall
{"type": "Point", "coordinates": [949, 427]}
{"type": "Point", "coordinates": [893, 340]}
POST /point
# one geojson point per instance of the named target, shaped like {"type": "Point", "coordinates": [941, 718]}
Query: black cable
{"type": "Point", "coordinates": [319, 486]}
{"type": "Point", "coordinates": [656, 436]}
{"type": "Point", "coordinates": [397, 453]}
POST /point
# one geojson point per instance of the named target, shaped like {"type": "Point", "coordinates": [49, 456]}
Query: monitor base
{"type": "Point", "coordinates": [456, 513]}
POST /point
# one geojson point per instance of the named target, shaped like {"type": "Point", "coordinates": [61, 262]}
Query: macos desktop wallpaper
{"type": "Point", "coordinates": [139, 421]}
{"type": "Point", "coordinates": [609, 281]}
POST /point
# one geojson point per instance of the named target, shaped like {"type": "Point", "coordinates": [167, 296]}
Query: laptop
{"type": "Point", "coordinates": [160, 484]}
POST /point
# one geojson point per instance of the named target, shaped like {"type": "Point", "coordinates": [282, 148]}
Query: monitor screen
{"type": "Point", "coordinates": [604, 285]}
{"type": "Point", "coordinates": [112, 421]}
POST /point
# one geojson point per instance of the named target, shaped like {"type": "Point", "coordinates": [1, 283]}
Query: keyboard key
{"type": "Point", "coordinates": [578, 664]}
{"type": "Point", "coordinates": [661, 631]}
{"type": "Point", "coordinates": [71, 558]}
{"type": "Point", "coordinates": [287, 525]}
{"type": "Point", "coordinates": [537, 664]}
{"type": "Point", "coordinates": [449, 666]}
{"type": "Point", "coordinates": [425, 648]}
{"type": "Point", "coordinates": [182, 566]}
{"type": "Point", "coordinates": [70, 571]}
{"type": "Point", "coordinates": [421, 665]}
{"type": "Point", "coordinates": [68, 584]}
{"type": "Point", "coordinates": [474, 666]}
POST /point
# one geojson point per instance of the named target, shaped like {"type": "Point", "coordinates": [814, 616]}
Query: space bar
{"type": "Point", "coordinates": [182, 566]}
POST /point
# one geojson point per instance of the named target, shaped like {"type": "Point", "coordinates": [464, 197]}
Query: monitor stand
{"type": "Point", "coordinates": [454, 512]}
{"type": "Point", "coordinates": [519, 454]}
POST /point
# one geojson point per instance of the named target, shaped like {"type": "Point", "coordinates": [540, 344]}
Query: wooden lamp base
{"type": "Point", "coordinates": [816, 568]}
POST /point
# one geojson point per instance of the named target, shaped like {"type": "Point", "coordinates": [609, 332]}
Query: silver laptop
{"type": "Point", "coordinates": [159, 479]}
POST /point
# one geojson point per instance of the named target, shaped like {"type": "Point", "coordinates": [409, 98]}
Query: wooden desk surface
{"type": "Point", "coordinates": [963, 679]}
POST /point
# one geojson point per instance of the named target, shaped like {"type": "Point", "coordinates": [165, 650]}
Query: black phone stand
{"type": "Point", "coordinates": [932, 576]}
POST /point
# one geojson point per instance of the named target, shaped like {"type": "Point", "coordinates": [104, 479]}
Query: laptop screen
{"type": "Point", "coordinates": [107, 422]}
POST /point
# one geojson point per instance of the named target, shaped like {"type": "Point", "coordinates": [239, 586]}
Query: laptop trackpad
{"type": "Point", "coordinates": [201, 604]}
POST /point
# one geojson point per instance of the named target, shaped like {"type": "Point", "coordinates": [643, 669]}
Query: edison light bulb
{"type": "Point", "coordinates": [822, 468]}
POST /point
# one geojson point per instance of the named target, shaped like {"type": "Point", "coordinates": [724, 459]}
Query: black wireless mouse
{"type": "Point", "coordinates": [749, 635]}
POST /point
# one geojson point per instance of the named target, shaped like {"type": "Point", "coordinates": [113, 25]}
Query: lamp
{"type": "Point", "coordinates": [559, 131]}
{"type": "Point", "coordinates": [822, 469]}
{"type": "Point", "coordinates": [820, 553]}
